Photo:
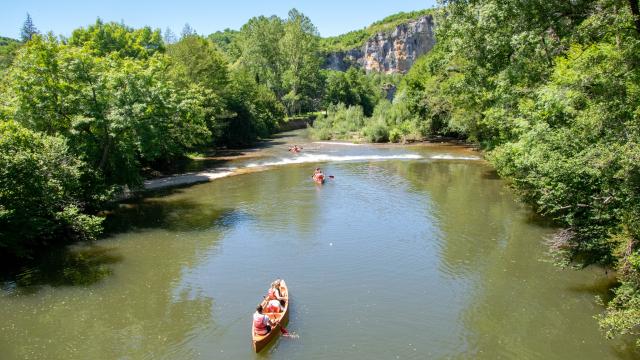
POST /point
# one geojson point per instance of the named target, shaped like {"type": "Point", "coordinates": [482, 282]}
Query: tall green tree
{"type": "Point", "coordinates": [187, 30]}
{"type": "Point", "coordinates": [259, 41]}
{"type": "Point", "coordinates": [300, 50]}
{"type": "Point", "coordinates": [28, 29]}
{"type": "Point", "coordinates": [169, 37]}
{"type": "Point", "coordinates": [196, 63]}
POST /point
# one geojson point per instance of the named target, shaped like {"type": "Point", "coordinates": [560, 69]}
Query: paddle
{"type": "Point", "coordinates": [286, 333]}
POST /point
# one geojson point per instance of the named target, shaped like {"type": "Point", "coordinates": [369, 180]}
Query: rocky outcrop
{"type": "Point", "coordinates": [392, 51]}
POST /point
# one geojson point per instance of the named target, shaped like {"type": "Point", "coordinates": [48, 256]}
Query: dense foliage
{"type": "Point", "coordinates": [81, 117]}
{"type": "Point", "coordinates": [40, 192]}
{"type": "Point", "coordinates": [283, 55]}
{"type": "Point", "coordinates": [550, 89]}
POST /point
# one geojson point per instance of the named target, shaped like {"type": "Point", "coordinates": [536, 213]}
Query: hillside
{"type": "Point", "coordinates": [8, 47]}
{"type": "Point", "coordinates": [357, 38]}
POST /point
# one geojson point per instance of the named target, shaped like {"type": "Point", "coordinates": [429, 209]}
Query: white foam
{"type": "Point", "coordinates": [311, 158]}
{"type": "Point", "coordinates": [453, 157]}
{"type": "Point", "coordinates": [336, 143]}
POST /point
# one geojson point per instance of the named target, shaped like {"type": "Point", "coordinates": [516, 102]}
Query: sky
{"type": "Point", "coordinates": [331, 17]}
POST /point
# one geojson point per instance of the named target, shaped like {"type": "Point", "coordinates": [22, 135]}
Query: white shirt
{"type": "Point", "coordinates": [257, 316]}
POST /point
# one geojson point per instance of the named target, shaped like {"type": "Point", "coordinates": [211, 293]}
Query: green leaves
{"type": "Point", "coordinates": [115, 112]}
{"type": "Point", "coordinates": [550, 89]}
{"type": "Point", "coordinates": [111, 38]}
{"type": "Point", "coordinates": [40, 192]}
{"type": "Point", "coordinates": [283, 55]}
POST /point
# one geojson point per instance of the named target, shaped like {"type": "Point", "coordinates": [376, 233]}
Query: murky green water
{"type": "Point", "coordinates": [409, 253]}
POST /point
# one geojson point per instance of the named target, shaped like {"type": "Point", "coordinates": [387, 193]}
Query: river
{"type": "Point", "coordinates": [409, 252]}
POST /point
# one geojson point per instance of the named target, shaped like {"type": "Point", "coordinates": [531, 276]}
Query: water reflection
{"type": "Point", "coordinates": [399, 259]}
{"type": "Point", "coordinates": [74, 266]}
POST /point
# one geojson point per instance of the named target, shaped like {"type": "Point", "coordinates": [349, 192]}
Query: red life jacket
{"type": "Point", "coordinates": [259, 326]}
{"type": "Point", "coordinates": [272, 308]}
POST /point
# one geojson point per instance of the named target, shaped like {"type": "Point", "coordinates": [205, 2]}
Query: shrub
{"type": "Point", "coordinates": [40, 192]}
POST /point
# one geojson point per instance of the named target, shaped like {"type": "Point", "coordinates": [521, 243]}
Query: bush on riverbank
{"type": "Point", "coordinates": [389, 122]}
{"type": "Point", "coordinates": [340, 122]}
{"type": "Point", "coordinates": [41, 193]}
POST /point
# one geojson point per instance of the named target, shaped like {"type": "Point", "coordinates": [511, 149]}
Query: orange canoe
{"type": "Point", "coordinates": [260, 341]}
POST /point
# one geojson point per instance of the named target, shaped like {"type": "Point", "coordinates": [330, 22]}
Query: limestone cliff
{"type": "Point", "coordinates": [392, 51]}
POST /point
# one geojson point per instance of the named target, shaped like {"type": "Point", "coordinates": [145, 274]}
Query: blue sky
{"type": "Point", "coordinates": [332, 17]}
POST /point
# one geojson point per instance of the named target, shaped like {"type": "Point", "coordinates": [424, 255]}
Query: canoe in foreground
{"type": "Point", "coordinates": [260, 341]}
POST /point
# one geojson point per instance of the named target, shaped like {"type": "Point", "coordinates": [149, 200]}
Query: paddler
{"type": "Point", "coordinates": [261, 323]}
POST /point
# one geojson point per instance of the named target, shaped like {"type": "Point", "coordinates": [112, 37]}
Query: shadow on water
{"type": "Point", "coordinates": [174, 215]}
{"type": "Point", "coordinates": [536, 219]}
{"type": "Point", "coordinates": [213, 158]}
{"type": "Point", "coordinates": [79, 265]}
{"type": "Point", "coordinates": [490, 174]}
{"type": "Point", "coordinates": [602, 287]}
{"type": "Point", "coordinates": [85, 264]}
{"type": "Point", "coordinates": [626, 348]}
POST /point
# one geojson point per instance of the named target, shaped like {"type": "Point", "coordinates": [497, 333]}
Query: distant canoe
{"type": "Point", "coordinates": [260, 341]}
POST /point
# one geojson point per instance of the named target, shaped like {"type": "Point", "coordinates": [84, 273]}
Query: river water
{"type": "Point", "coordinates": [409, 252]}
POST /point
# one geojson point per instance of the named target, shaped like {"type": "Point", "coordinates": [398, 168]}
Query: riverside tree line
{"type": "Point", "coordinates": [81, 117]}
{"type": "Point", "coordinates": [550, 90]}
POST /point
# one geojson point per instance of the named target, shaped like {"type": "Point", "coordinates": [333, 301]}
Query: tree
{"type": "Point", "coordinates": [301, 77]}
{"type": "Point", "coordinates": [40, 193]}
{"type": "Point", "coordinates": [259, 41]}
{"type": "Point", "coordinates": [195, 62]}
{"type": "Point", "coordinates": [169, 36]}
{"type": "Point", "coordinates": [114, 38]}
{"type": "Point", "coordinates": [256, 109]}
{"type": "Point", "coordinates": [351, 88]}
{"type": "Point", "coordinates": [187, 30]}
{"type": "Point", "coordinates": [227, 42]}
{"type": "Point", "coordinates": [283, 55]}
{"type": "Point", "coordinates": [117, 113]}
{"type": "Point", "coordinates": [28, 29]}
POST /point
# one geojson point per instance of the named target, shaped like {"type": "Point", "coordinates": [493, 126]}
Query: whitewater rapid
{"type": "Point", "coordinates": [304, 158]}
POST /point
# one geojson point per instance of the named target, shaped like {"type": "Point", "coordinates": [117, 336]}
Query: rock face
{"type": "Point", "coordinates": [390, 51]}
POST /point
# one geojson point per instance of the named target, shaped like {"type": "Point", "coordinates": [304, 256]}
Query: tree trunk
{"type": "Point", "coordinates": [105, 152]}
{"type": "Point", "coordinates": [635, 11]}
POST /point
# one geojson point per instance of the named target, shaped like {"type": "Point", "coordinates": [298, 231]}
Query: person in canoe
{"type": "Point", "coordinates": [274, 306]}
{"type": "Point", "coordinates": [295, 149]}
{"type": "Point", "coordinates": [275, 292]}
{"type": "Point", "coordinates": [261, 323]}
{"type": "Point", "coordinates": [318, 176]}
